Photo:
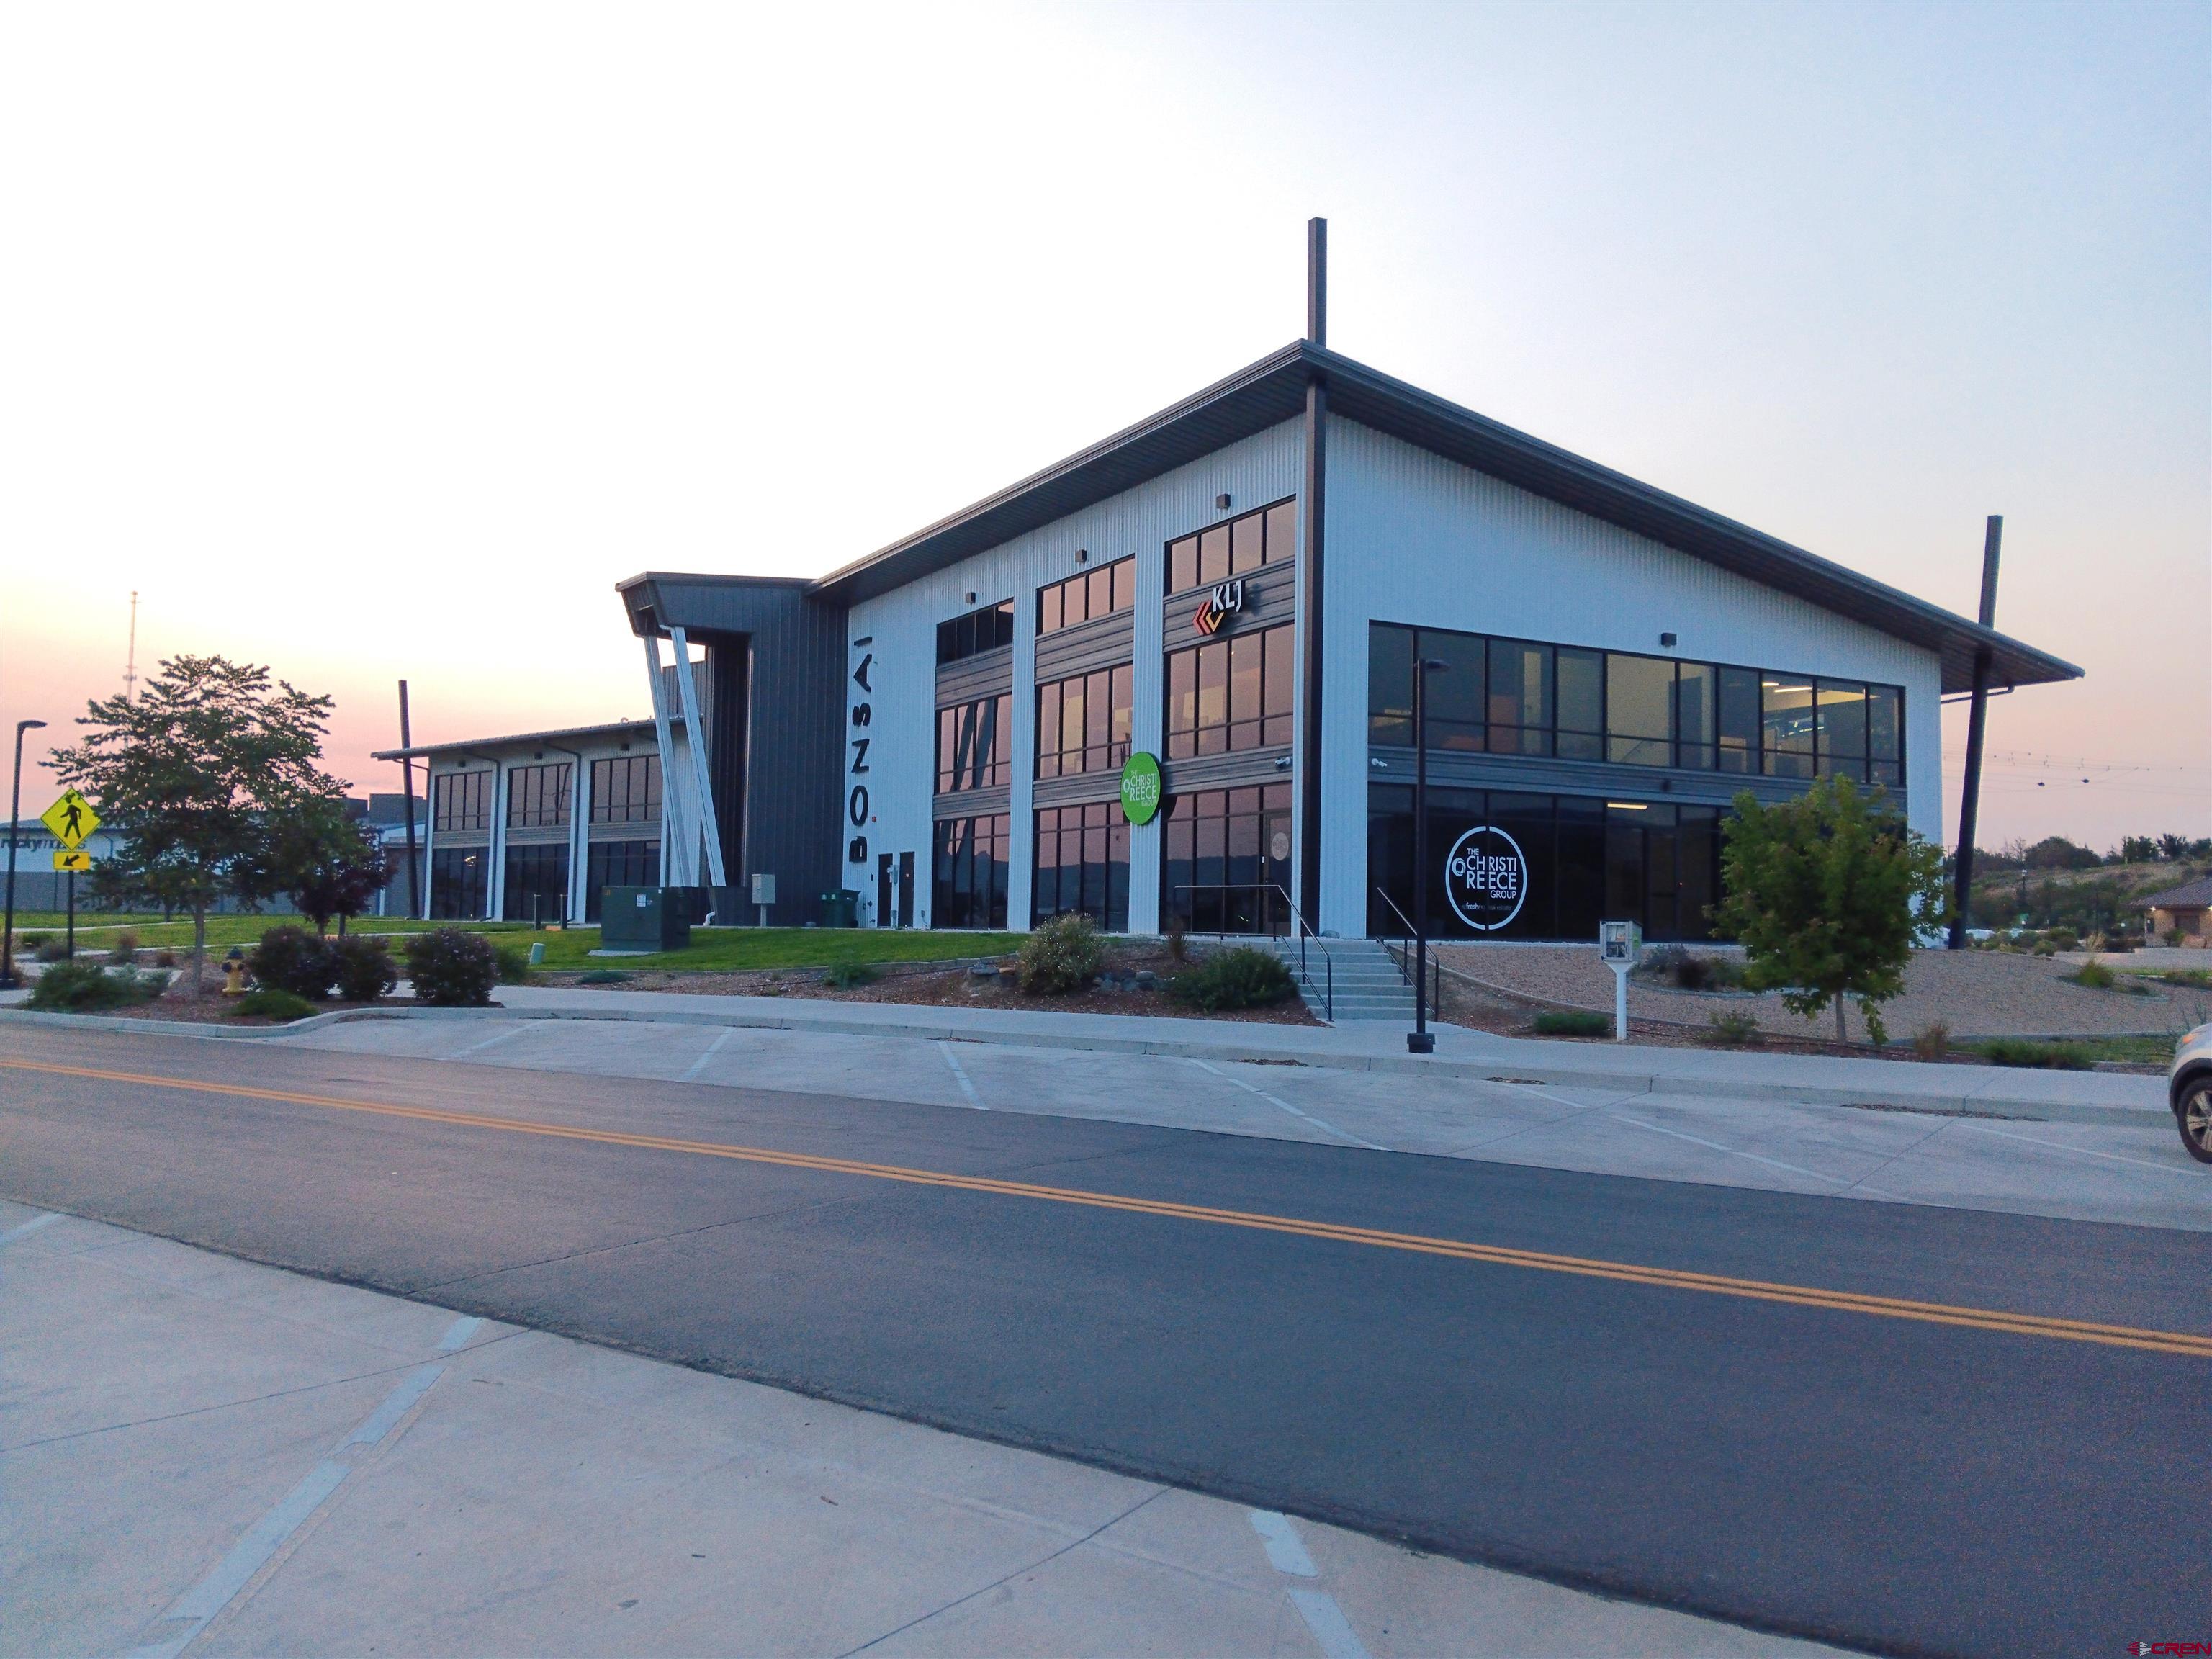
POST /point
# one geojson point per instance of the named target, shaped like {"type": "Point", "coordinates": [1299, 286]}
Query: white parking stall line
{"type": "Point", "coordinates": [1273, 1100]}
{"type": "Point", "coordinates": [960, 1074]}
{"type": "Point", "coordinates": [691, 1074]}
{"type": "Point", "coordinates": [28, 1228]}
{"type": "Point", "coordinates": [192, 1612]}
{"type": "Point", "coordinates": [493, 1041]}
{"type": "Point", "coordinates": [2081, 1151]}
{"type": "Point", "coordinates": [1286, 1553]}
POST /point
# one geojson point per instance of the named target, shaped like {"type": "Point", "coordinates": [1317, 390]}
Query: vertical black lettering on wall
{"type": "Point", "coordinates": [856, 802]}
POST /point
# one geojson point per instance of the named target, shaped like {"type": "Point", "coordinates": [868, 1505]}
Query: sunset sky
{"type": "Point", "coordinates": [373, 342]}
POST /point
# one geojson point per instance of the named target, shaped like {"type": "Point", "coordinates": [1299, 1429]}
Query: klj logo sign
{"type": "Point", "coordinates": [1486, 879]}
{"type": "Point", "coordinates": [1225, 602]}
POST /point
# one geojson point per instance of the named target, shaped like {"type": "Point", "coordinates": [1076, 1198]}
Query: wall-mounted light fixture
{"type": "Point", "coordinates": [1666, 639]}
{"type": "Point", "coordinates": [1221, 502]}
{"type": "Point", "coordinates": [1082, 555]}
{"type": "Point", "coordinates": [971, 599]}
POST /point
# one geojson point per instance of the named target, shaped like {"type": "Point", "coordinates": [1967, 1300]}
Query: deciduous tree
{"type": "Point", "coordinates": [203, 775]}
{"type": "Point", "coordinates": [1828, 894]}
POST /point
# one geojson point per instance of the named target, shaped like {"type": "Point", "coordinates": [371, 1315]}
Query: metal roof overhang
{"type": "Point", "coordinates": [422, 750]}
{"type": "Point", "coordinates": [1273, 391]}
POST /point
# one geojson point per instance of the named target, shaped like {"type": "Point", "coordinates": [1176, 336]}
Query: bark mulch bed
{"type": "Point", "coordinates": [938, 984]}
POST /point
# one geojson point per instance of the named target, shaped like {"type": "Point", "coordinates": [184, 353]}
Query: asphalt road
{"type": "Point", "coordinates": [1856, 1473]}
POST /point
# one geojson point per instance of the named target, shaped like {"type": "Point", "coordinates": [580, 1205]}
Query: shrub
{"type": "Point", "coordinates": [84, 987]}
{"type": "Point", "coordinates": [1735, 1030]}
{"type": "Point", "coordinates": [1572, 1022]}
{"type": "Point", "coordinates": [2039, 1056]}
{"type": "Point", "coordinates": [849, 976]}
{"type": "Point", "coordinates": [1932, 1041]}
{"type": "Point", "coordinates": [366, 970]}
{"type": "Point", "coordinates": [605, 976]}
{"type": "Point", "coordinates": [33, 941]}
{"type": "Point", "coordinates": [125, 947]}
{"type": "Point", "coordinates": [513, 961]}
{"type": "Point", "coordinates": [1240, 978]}
{"type": "Point", "coordinates": [54, 949]}
{"type": "Point", "coordinates": [270, 1003]}
{"type": "Point", "coordinates": [1178, 944]}
{"type": "Point", "coordinates": [2173, 936]}
{"type": "Point", "coordinates": [452, 968]}
{"type": "Point", "coordinates": [2064, 938]}
{"type": "Point", "coordinates": [1062, 955]}
{"type": "Point", "coordinates": [2094, 975]}
{"type": "Point", "coordinates": [165, 958]}
{"type": "Point", "coordinates": [293, 959]}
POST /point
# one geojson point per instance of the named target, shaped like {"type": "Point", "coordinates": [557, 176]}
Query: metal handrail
{"type": "Point", "coordinates": [1404, 943]}
{"type": "Point", "coordinates": [1302, 930]}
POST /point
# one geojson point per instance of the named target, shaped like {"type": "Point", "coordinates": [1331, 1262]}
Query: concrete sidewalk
{"type": "Point", "coordinates": [208, 1457]}
{"type": "Point", "coordinates": [1617, 1068]}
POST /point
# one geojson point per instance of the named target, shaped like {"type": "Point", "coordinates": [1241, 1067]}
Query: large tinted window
{"type": "Point", "coordinates": [1225, 860]}
{"type": "Point", "coordinates": [617, 864]}
{"type": "Point", "coordinates": [1082, 865]}
{"type": "Point", "coordinates": [978, 631]}
{"type": "Point", "coordinates": [1087, 597]}
{"type": "Point", "coordinates": [537, 796]}
{"type": "Point", "coordinates": [461, 801]}
{"type": "Point", "coordinates": [1268, 536]}
{"type": "Point", "coordinates": [1083, 723]}
{"type": "Point", "coordinates": [1524, 697]}
{"type": "Point", "coordinates": [626, 789]}
{"type": "Point", "coordinates": [1231, 694]}
{"type": "Point", "coordinates": [968, 885]}
{"type": "Point", "coordinates": [973, 745]}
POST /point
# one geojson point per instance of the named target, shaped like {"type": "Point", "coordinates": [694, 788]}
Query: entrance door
{"type": "Point", "coordinates": [883, 868]}
{"type": "Point", "coordinates": [906, 889]}
{"type": "Point", "coordinates": [1275, 864]}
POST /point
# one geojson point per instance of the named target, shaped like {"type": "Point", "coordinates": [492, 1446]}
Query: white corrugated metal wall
{"type": "Point", "coordinates": [1413, 537]}
{"type": "Point", "coordinates": [903, 628]}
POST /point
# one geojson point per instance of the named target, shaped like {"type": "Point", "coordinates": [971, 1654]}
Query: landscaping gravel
{"type": "Point", "coordinates": [1978, 993]}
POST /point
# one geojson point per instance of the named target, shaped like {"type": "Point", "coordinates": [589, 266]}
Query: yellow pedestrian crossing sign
{"type": "Point", "coordinates": [71, 818]}
{"type": "Point", "coordinates": [72, 859]}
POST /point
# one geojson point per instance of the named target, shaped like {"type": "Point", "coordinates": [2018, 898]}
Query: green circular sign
{"type": "Point", "coordinates": [1140, 788]}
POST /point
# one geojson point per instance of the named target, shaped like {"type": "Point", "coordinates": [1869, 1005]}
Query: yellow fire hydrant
{"type": "Point", "coordinates": [234, 973]}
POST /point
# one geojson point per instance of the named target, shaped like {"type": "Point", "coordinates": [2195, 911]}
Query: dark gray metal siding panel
{"type": "Point", "coordinates": [794, 749]}
{"type": "Point", "coordinates": [1241, 771]}
{"type": "Point", "coordinates": [971, 803]}
{"type": "Point", "coordinates": [987, 674]}
{"type": "Point", "coordinates": [1073, 791]}
{"type": "Point", "coordinates": [1106, 643]}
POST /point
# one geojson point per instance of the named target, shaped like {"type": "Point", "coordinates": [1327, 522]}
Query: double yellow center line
{"type": "Point", "coordinates": [1802, 1296]}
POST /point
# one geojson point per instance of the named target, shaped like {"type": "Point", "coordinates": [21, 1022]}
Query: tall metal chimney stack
{"type": "Point", "coordinates": [1317, 281]}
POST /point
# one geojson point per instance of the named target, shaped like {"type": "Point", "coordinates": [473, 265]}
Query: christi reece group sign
{"type": "Point", "coordinates": [1486, 879]}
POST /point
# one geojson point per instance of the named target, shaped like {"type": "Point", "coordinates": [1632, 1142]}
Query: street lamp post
{"type": "Point", "coordinates": [1421, 1040]}
{"type": "Point", "coordinates": [8, 978]}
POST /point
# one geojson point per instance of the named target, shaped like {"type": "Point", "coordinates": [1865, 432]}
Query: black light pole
{"type": "Point", "coordinates": [8, 981]}
{"type": "Point", "coordinates": [1421, 1040]}
{"type": "Point", "coordinates": [407, 782]}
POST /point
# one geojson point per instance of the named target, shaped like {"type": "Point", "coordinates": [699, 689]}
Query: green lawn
{"type": "Point", "coordinates": [712, 948]}
{"type": "Point", "coordinates": [728, 948]}
{"type": "Point", "coordinates": [95, 933]}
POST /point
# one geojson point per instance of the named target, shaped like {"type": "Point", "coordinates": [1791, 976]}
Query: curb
{"type": "Point", "coordinates": [1472, 1070]}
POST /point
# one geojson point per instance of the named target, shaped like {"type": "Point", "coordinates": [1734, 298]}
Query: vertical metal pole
{"type": "Point", "coordinates": [1312, 586]}
{"type": "Point", "coordinates": [1419, 1041]}
{"type": "Point", "coordinates": [8, 980]}
{"type": "Point", "coordinates": [1970, 791]}
{"type": "Point", "coordinates": [407, 783]}
{"type": "Point", "coordinates": [69, 945]}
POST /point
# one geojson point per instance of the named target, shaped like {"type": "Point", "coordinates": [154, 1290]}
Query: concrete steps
{"type": "Point", "coordinates": [1368, 983]}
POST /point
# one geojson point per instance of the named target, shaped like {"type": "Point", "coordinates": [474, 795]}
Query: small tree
{"type": "Point", "coordinates": [1828, 894]}
{"type": "Point", "coordinates": [330, 866]}
{"type": "Point", "coordinates": [201, 774]}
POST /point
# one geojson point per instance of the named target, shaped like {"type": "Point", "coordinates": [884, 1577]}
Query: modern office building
{"type": "Point", "coordinates": [536, 825]}
{"type": "Point", "coordinates": [1238, 589]}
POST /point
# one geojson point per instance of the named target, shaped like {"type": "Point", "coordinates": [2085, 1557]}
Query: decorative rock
{"type": "Point", "coordinates": [1145, 979]}
{"type": "Point", "coordinates": [985, 971]}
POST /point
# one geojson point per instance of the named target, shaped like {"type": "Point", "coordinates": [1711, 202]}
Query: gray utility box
{"type": "Point", "coordinates": [645, 919]}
